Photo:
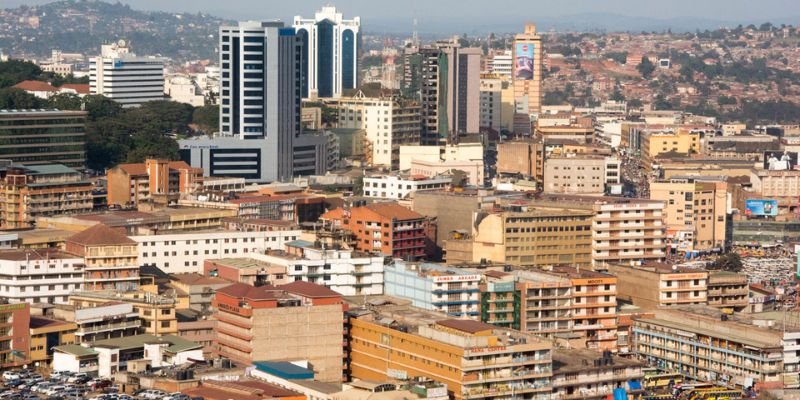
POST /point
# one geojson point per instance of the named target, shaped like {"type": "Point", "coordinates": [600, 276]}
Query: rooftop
{"type": "Point", "coordinates": [393, 211]}
{"type": "Point", "coordinates": [284, 369]}
{"type": "Point", "coordinates": [101, 235]}
{"type": "Point", "coordinates": [578, 360]}
{"type": "Point", "coordinates": [36, 254]}
{"type": "Point", "coordinates": [176, 344]}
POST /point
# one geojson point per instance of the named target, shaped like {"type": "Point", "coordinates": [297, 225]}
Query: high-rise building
{"type": "Point", "coordinates": [330, 52]}
{"type": "Point", "coordinates": [450, 91]}
{"type": "Point", "coordinates": [43, 136]}
{"type": "Point", "coordinates": [120, 75]}
{"type": "Point", "coordinates": [695, 211]}
{"type": "Point", "coordinates": [527, 73]}
{"type": "Point", "coordinates": [260, 105]}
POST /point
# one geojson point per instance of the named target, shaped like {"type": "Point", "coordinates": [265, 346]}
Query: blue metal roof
{"type": "Point", "coordinates": [283, 369]}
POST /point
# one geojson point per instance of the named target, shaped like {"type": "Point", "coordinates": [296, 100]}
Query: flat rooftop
{"type": "Point", "coordinates": [36, 254]}
{"type": "Point", "coordinates": [578, 360]}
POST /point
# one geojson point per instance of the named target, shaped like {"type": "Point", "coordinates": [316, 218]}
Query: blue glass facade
{"type": "Point", "coordinates": [325, 58]}
{"type": "Point", "coordinates": [348, 59]}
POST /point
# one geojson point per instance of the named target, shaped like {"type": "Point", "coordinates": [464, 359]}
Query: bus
{"type": "Point", "coordinates": [706, 391]}
{"type": "Point", "coordinates": [653, 379]}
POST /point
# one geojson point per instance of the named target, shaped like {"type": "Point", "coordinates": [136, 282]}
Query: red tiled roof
{"type": "Point", "coordinates": [80, 88]}
{"type": "Point", "coordinates": [100, 235]}
{"type": "Point", "coordinates": [36, 86]}
{"type": "Point", "coordinates": [133, 169]}
{"type": "Point", "coordinates": [245, 291]}
{"type": "Point", "coordinates": [393, 210]}
{"type": "Point", "coordinates": [465, 325]}
{"type": "Point", "coordinates": [309, 289]}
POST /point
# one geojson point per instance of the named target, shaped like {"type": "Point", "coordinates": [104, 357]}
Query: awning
{"type": "Point", "coordinates": [634, 385]}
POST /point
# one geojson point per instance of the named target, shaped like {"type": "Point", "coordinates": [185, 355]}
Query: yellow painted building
{"type": "Point", "coordinates": [156, 311]}
{"type": "Point", "coordinates": [47, 333]}
{"type": "Point", "coordinates": [475, 360]}
{"type": "Point", "coordinates": [655, 144]}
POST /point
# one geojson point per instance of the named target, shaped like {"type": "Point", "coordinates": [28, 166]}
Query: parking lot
{"type": "Point", "coordinates": [62, 385]}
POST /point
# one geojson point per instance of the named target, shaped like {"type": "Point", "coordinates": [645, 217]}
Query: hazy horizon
{"type": "Point", "coordinates": [436, 15]}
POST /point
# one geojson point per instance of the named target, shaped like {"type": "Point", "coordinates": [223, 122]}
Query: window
{"type": "Point", "coordinates": [165, 311]}
{"type": "Point", "coordinates": [165, 324]}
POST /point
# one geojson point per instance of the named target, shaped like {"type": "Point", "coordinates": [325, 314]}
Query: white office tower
{"type": "Point", "coordinates": [125, 78]}
{"type": "Point", "coordinates": [330, 48]}
{"type": "Point", "coordinates": [260, 105]}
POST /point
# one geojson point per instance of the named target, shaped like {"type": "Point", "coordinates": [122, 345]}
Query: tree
{"type": "Point", "coordinates": [206, 118]}
{"type": "Point", "coordinates": [634, 103]}
{"type": "Point", "coordinates": [12, 98]}
{"type": "Point", "coordinates": [646, 68]}
{"type": "Point", "coordinates": [65, 101]}
{"type": "Point", "coordinates": [16, 71]}
{"type": "Point", "coordinates": [617, 95]}
{"type": "Point", "coordinates": [728, 262]}
{"type": "Point", "coordinates": [100, 107]}
{"type": "Point", "coordinates": [620, 57]}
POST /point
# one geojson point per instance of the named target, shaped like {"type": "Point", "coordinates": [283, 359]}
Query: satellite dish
{"type": "Point", "coordinates": [121, 43]}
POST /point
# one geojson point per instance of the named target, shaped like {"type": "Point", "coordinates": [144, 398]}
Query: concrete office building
{"type": "Point", "coordinates": [524, 157]}
{"type": "Point", "coordinates": [728, 290]}
{"type": "Point", "coordinates": [475, 360]}
{"type": "Point", "coordinates": [156, 311]}
{"type": "Point", "coordinates": [527, 74]}
{"type": "Point", "coordinates": [581, 174]}
{"type": "Point", "coordinates": [450, 79]}
{"type": "Point", "coordinates": [587, 374]}
{"type": "Point", "coordinates": [181, 252]}
{"type": "Point", "coordinates": [452, 291]}
{"type": "Point", "coordinates": [101, 322]}
{"type": "Point", "coordinates": [260, 105]}
{"type": "Point", "coordinates": [121, 76]}
{"type": "Point", "coordinates": [28, 193]}
{"type": "Point", "coordinates": [491, 105]}
{"type": "Point", "coordinates": [331, 47]}
{"type": "Point", "coordinates": [33, 137]}
{"type": "Point", "coordinates": [388, 123]}
{"type": "Point", "coordinates": [655, 143]}
{"type": "Point", "coordinates": [706, 348]}
{"type": "Point", "coordinates": [529, 237]}
{"type": "Point", "coordinates": [398, 187]}
{"type": "Point", "coordinates": [695, 210]}
{"type": "Point", "coordinates": [656, 285]}
{"type": "Point", "coordinates": [299, 321]}
{"type": "Point", "coordinates": [624, 231]}
{"type": "Point", "coordinates": [39, 276]}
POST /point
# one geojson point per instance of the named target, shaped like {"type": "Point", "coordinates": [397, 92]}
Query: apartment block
{"type": "Point", "coordinates": [656, 285]}
{"type": "Point", "coordinates": [728, 290]}
{"type": "Point", "coordinates": [15, 338]}
{"type": "Point", "coordinates": [708, 348]}
{"type": "Point", "coordinates": [501, 301]}
{"type": "Point", "coordinates": [451, 291]}
{"type": "Point", "coordinates": [157, 312]}
{"type": "Point", "coordinates": [298, 321]}
{"type": "Point", "coordinates": [475, 360]}
{"type": "Point", "coordinates": [110, 258]}
{"type": "Point", "coordinates": [199, 288]}
{"type": "Point", "coordinates": [159, 181]}
{"type": "Point", "coordinates": [528, 56]}
{"type": "Point", "coordinates": [347, 272]}
{"type": "Point", "coordinates": [695, 210]}
{"type": "Point", "coordinates": [34, 137]}
{"type": "Point", "coordinates": [185, 252]}
{"type": "Point", "coordinates": [121, 76]}
{"type": "Point", "coordinates": [388, 123]}
{"type": "Point", "coordinates": [546, 303]}
{"type": "Point", "coordinates": [39, 276]}
{"type": "Point", "coordinates": [384, 228]}
{"type": "Point", "coordinates": [27, 193]}
{"type": "Point", "coordinates": [526, 236]}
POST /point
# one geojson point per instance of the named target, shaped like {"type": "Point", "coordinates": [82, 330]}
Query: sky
{"type": "Point", "coordinates": [484, 13]}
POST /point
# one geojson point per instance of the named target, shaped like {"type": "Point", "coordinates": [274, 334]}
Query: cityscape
{"type": "Point", "coordinates": [352, 203]}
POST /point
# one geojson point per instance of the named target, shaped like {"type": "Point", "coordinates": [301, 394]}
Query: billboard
{"type": "Point", "coordinates": [756, 207]}
{"type": "Point", "coordinates": [523, 61]}
{"type": "Point", "coordinates": [779, 160]}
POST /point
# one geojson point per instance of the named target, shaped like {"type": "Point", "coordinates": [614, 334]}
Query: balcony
{"type": "Point", "coordinates": [135, 324]}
